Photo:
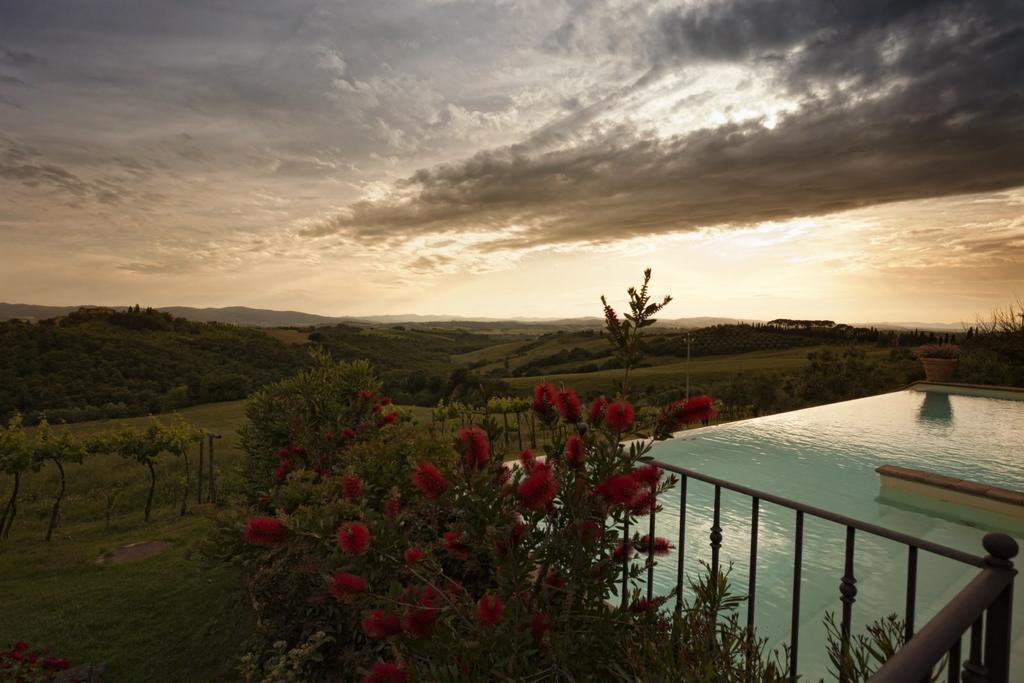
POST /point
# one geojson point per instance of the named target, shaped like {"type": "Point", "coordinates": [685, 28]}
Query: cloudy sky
{"type": "Point", "coordinates": [768, 158]}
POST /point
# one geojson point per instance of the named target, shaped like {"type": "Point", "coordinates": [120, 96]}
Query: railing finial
{"type": "Point", "coordinates": [1001, 549]}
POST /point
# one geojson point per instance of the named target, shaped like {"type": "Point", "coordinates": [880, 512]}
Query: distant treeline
{"type": "Point", "coordinates": [105, 363]}
{"type": "Point", "coordinates": [101, 363]}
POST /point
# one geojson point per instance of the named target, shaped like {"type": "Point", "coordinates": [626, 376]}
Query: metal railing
{"type": "Point", "coordinates": [983, 607]}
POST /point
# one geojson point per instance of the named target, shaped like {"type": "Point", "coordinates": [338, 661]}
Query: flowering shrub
{"type": "Point", "coordinates": [939, 351]}
{"type": "Point", "coordinates": [311, 416]}
{"type": "Point", "coordinates": [20, 663]}
{"type": "Point", "coordinates": [423, 562]}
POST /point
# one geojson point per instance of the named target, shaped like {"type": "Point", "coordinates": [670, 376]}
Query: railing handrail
{"type": "Point", "coordinates": [874, 529]}
{"type": "Point", "coordinates": [915, 659]}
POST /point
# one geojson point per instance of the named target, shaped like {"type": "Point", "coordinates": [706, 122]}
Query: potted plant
{"type": "Point", "coordinates": [939, 361]}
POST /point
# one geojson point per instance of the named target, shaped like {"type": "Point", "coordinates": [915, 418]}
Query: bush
{"type": "Point", "coordinates": [310, 409]}
{"type": "Point", "coordinates": [391, 549]}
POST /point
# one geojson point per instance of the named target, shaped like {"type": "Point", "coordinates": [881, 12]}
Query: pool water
{"type": "Point", "coordinates": [826, 457]}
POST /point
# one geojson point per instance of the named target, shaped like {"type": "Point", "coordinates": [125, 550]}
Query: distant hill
{"type": "Point", "coordinates": [262, 317]}
{"type": "Point", "coordinates": [256, 317]}
{"type": "Point", "coordinates": [33, 312]}
{"type": "Point", "coordinates": [102, 363]}
{"type": "Point", "coordinates": [928, 327]}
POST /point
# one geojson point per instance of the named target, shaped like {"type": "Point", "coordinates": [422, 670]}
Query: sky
{"type": "Point", "coordinates": [856, 161]}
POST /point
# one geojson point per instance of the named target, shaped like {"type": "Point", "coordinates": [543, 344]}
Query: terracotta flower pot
{"type": "Point", "coordinates": [939, 369]}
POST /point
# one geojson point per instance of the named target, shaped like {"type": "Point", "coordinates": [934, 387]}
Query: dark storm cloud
{"type": "Point", "coordinates": [898, 101]}
{"type": "Point", "coordinates": [858, 43]}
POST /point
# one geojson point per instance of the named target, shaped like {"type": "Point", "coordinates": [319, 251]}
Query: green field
{"type": "Point", "coordinates": [674, 372]}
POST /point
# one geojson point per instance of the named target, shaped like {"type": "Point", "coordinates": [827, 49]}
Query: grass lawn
{"type": "Point", "coordinates": [165, 618]}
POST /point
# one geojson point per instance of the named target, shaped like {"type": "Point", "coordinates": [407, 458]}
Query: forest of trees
{"type": "Point", "coordinates": [101, 363]}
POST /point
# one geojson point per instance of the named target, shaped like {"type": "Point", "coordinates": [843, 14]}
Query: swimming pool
{"type": "Point", "coordinates": [826, 457]}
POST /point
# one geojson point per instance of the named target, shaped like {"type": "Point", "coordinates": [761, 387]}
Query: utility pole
{"type": "Point", "coordinates": [213, 484]}
{"type": "Point", "coordinates": [688, 340]}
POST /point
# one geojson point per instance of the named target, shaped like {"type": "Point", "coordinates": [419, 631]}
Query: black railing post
{"type": "Point", "coordinates": [716, 533]}
{"type": "Point", "coordinates": [908, 615]}
{"type": "Point", "coordinates": [974, 670]}
{"type": "Point", "coordinates": [848, 595]}
{"type": "Point", "coordinates": [626, 547]}
{"type": "Point", "coordinates": [1001, 550]}
{"type": "Point", "coordinates": [650, 555]}
{"type": "Point", "coordinates": [794, 628]}
{"type": "Point", "coordinates": [680, 576]}
{"type": "Point", "coordinates": [953, 666]}
{"type": "Point", "coordinates": [752, 582]}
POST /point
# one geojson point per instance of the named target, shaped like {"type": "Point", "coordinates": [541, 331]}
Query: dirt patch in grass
{"type": "Point", "coordinates": [133, 552]}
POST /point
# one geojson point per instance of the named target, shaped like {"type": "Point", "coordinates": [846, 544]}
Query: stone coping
{"type": "Point", "coordinates": [980, 390]}
{"type": "Point", "coordinates": [962, 486]}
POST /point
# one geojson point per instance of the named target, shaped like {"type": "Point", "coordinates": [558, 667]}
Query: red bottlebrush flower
{"type": "Point", "coordinates": [282, 470]}
{"type": "Point", "coordinates": [392, 506]}
{"type": "Point", "coordinates": [619, 415]}
{"type": "Point", "coordinates": [642, 605]}
{"type": "Point", "coordinates": [568, 405]}
{"type": "Point", "coordinates": [385, 400]}
{"type": "Point", "coordinates": [353, 538]}
{"type": "Point", "coordinates": [348, 433]}
{"type": "Point", "coordinates": [538, 489]}
{"type": "Point", "coordinates": [351, 487]}
{"type": "Point", "coordinates": [623, 551]}
{"type": "Point", "coordinates": [428, 480]}
{"type": "Point", "coordinates": [390, 418]}
{"type": "Point", "coordinates": [366, 395]}
{"type": "Point", "coordinates": [452, 542]}
{"type": "Point", "coordinates": [474, 446]}
{"type": "Point", "coordinates": [283, 453]}
{"type": "Point", "coordinates": [265, 531]}
{"type": "Point", "coordinates": [590, 531]}
{"type": "Point", "coordinates": [575, 451]}
{"type": "Point", "coordinates": [642, 502]}
{"type": "Point", "coordinates": [386, 672]}
{"type": "Point", "coordinates": [543, 398]}
{"type": "Point", "coordinates": [617, 489]}
{"type": "Point", "coordinates": [412, 556]}
{"type": "Point", "coordinates": [696, 409]}
{"type": "Point", "coordinates": [345, 586]}
{"type": "Point", "coordinates": [418, 620]}
{"type": "Point", "coordinates": [648, 475]}
{"type": "Point", "coordinates": [661, 545]}
{"type": "Point", "coordinates": [489, 610]}
{"type": "Point", "coordinates": [527, 459]}
{"type": "Point", "coordinates": [380, 624]}
{"type": "Point", "coordinates": [597, 409]}
{"type": "Point", "coordinates": [539, 626]}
